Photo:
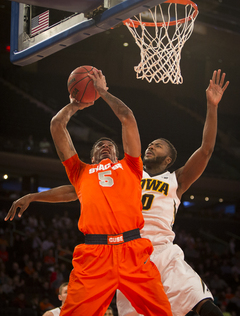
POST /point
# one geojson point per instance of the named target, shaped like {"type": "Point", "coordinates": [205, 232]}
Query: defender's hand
{"type": "Point", "coordinates": [21, 203]}
{"type": "Point", "coordinates": [216, 87]}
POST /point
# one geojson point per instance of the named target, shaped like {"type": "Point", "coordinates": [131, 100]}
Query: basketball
{"type": "Point", "coordinates": [80, 86]}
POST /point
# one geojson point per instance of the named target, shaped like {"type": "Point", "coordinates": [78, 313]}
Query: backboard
{"type": "Point", "coordinates": [39, 31]}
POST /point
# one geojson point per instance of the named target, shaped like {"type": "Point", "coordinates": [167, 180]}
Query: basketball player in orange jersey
{"type": "Point", "coordinates": [114, 255]}
{"type": "Point", "coordinates": [161, 194]}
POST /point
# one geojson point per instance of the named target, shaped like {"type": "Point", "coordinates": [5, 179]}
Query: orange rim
{"type": "Point", "coordinates": [134, 23]}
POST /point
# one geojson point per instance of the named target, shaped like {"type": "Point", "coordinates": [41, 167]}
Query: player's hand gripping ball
{"type": "Point", "coordinates": [80, 85]}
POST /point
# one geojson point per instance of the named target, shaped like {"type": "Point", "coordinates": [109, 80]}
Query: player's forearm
{"type": "Point", "coordinates": [130, 134]}
{"type": "Point", "coordinates": [62, 118]}
{"type": "Point", "coordinates": [61, 137]}
{"type": "Point", "coordinates": [210, 130]}
{"type": "Point", "coordinates": [59, 194]}
{"type": "Point", "coordinates": [64, 193]}
{"type": "Point", "coordinates": [120, 109]}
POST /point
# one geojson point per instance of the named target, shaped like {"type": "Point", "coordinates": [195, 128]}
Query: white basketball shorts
{"type": "Point", "coordinates": [183, 286]}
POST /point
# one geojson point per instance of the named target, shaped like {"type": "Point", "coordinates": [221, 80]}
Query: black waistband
{"type": "Point", "coordinates": [101, 239]}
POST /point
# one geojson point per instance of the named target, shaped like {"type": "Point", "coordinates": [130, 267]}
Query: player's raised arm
{"type": "Point", "coordinates": [130, 134]}
{"type": "Point", "coordinates": [58, 127]}
{"type": "Point", "coordinates": [65, 193]}
{"type": "Point", "coordinates": [197, 163]}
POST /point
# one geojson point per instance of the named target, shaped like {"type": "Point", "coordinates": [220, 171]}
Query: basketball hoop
{"type": "Point", "coordinates": [161, 36]}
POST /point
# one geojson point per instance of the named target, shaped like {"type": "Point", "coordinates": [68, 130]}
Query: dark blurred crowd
{"type": "Point", "coordinates": [220, 270]}
{"type": "Point", "coordinates": [35, 258]}
{"type": "Point", "coordinates": [30, 146]}
{"type": "Point", "coordinates": [36, 253]}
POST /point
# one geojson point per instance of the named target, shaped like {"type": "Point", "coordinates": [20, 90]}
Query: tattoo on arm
{"type": "Point", "coordinates": [119, 107]}
{"type": "Point", "coordinates": [61, 154]}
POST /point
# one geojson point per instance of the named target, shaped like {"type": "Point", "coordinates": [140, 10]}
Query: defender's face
{"type": "Point", "coordinates": [104, 149]}
{"type": "Point", "coordinates": [156, 149]}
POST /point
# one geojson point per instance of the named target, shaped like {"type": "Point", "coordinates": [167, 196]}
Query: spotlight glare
{"type": "Point", "coordinates": [5, 177]}
{"type": "Point", "coordinates": [125, 44]}
{"type": "Point", "coordinates": [220, 200]}
{"type": "Point", "coordinates": [206, 198]}
{"type": "Point", "coordinates": [192, 197]}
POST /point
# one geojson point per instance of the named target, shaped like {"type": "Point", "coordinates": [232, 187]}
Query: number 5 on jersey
{"type": "Point", "coordinates": [104, 179]}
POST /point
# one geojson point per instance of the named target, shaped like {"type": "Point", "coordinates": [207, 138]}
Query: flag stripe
{"type": "Point", "coordinates": [40, 22]}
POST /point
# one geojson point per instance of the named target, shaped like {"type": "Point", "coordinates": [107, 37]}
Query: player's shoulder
{"type": "Point", "coordinates": [134, 163]}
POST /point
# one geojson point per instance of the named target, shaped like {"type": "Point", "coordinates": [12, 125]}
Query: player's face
{"type": "Point", "coordinates": [63, 295]}
{"type": "Point", "coordinates": [156, 152]}
{"type": "Point", "coordinates": [104, 149]}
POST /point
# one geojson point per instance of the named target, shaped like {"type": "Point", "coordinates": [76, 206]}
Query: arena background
{"type": "Point", "coordinates": [30, 95]}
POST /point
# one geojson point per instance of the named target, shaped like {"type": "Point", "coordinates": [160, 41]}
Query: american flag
{"type": "Point", "coordinates": [40, 23]}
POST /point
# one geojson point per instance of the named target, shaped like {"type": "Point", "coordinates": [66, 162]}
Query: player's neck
{"type": "Point", "coordinates": [154, 171]}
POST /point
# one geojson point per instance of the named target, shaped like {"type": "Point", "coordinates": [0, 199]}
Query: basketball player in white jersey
{"type": "Point", "coordinates": [62, 297]}
{"type": "Point", "coordinates": [161, 195]}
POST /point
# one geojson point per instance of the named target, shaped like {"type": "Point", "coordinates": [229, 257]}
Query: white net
{"type": "Point", "coordinates": [161, 42]}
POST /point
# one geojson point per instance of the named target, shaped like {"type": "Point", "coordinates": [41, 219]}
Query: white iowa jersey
{"type": "Point", "coordinates": [160, 204]}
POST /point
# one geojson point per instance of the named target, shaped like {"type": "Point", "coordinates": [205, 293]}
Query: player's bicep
{"type": "Point", "coordinates": [192, 170]}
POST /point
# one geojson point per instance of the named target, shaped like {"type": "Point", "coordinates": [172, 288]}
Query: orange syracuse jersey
{"type": "Point", "coordinates": [109, 193]}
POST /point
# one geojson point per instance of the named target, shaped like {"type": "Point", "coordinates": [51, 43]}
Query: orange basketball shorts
{"type": "Point", "coordinates": [98, 270]}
